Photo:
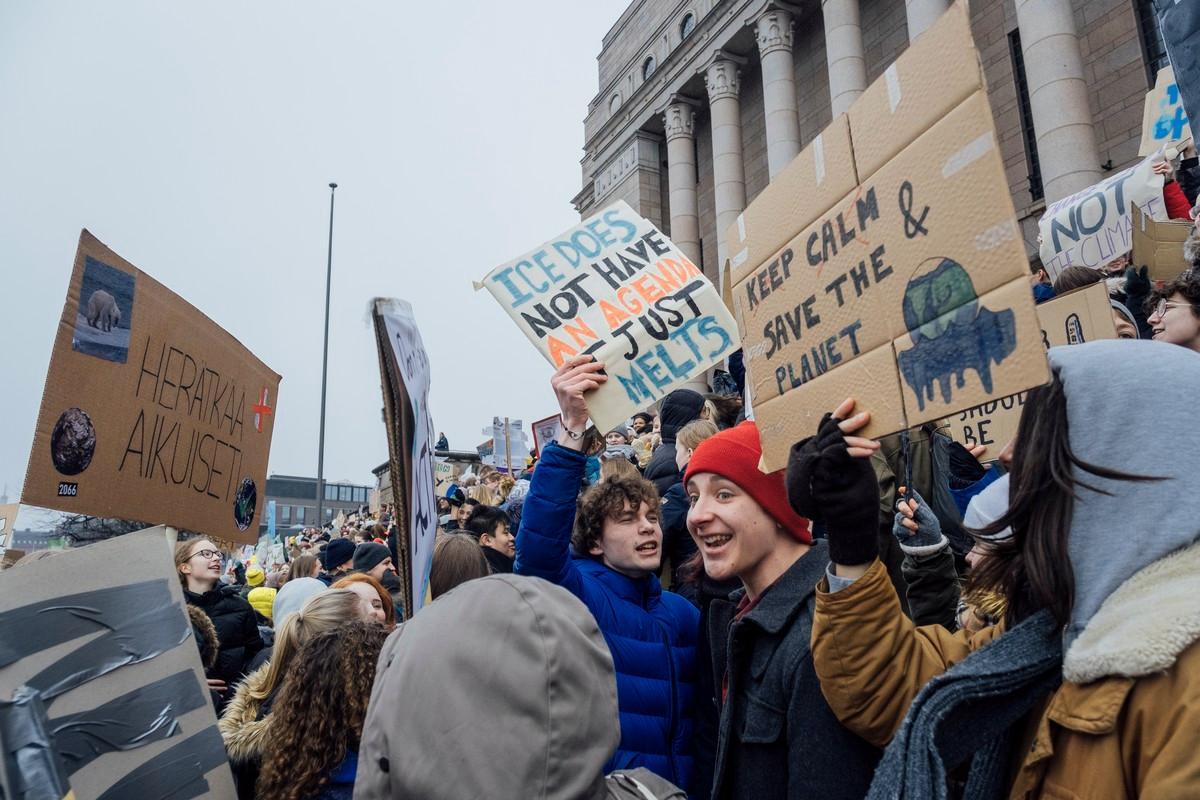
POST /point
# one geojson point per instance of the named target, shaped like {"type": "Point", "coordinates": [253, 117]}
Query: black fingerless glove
{"type": "Point", "coordinates": [826, 484]}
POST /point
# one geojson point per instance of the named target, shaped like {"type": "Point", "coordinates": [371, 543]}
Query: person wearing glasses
{"type": "Point", "coordinates": [1175, 311]}
{"type": "Point", "coordinates": [198, 563]}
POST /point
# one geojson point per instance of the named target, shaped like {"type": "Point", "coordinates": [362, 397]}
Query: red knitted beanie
{"type": "Point", "coordinates": [734, 454]}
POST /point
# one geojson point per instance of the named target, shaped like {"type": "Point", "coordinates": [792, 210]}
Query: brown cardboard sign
{"type": "Point", "coordinates": [102, 678]}
{"type": "Point", "coordinates": [1159, 245]}
{"type": "Point", "coordinates": [1083, 315]}
{"type": "Point", "coordinates": [8, 523]}
{"type": "Point", "coordinates": [151, 410]}
{"type": "Point", "coordinates": [911, 293]}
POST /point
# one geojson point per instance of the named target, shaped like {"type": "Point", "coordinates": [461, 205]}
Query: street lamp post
{"type": "Point", "coordinates": [325, 370]}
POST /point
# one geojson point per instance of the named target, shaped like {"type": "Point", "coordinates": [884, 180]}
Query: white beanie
{"type": "Point", "coordinates": [987, 507]}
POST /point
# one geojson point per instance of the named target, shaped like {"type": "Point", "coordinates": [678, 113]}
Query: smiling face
{"type": "Point", "coordinates": [200, 568]}
{"type": "Point", "coordinates": [500, 539]}
{"type": "Point", "coordinates": [370, 606]}
{"type": "Point", "coordinates": [377, 571]}
{"type": "Point", "coordinates": [1176, 322]}
{"type": "Point", "coordinates": [736, 537]}
{"type": "Point", "coordinates": [631, 541]}
{"type": "Point", "coordinates": [614, 438]}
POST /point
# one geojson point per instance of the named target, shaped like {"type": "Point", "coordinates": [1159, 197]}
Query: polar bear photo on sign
{"type": "Point", "coordinates": [105, 313]}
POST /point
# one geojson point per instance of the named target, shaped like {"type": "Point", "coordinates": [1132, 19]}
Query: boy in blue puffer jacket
{"type": "Point", "coordinates": [651, 633]}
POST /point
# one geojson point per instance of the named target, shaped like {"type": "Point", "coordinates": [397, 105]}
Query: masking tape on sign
{"type": "Point", "coordinates": [975, 150]}
{"type": "Point", "coordinates": [892, 78]}
{"type": "Point", "coordinates": [818, 146]}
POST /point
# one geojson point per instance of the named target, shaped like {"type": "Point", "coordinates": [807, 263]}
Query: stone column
{"type": "Point", "coordinates": [844, 52]}
{"type": "Point", "coordinates": [679, 123]}
{"type": "Point", "coordinates": [1058, 95]}
{"type": "Point", "coordinates": [774, 33]}
{"type": "Point", "coordinates": [729, 177]}
{"type": "Point", "coordinates": [922, 14]}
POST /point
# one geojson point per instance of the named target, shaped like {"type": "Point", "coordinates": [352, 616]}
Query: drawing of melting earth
{"type": "Point", "coordinates": [951, 333]}
{"type": "Point", "coordinates": [244, 503]}
{"type": "Point", "coordinates": [73, 442]}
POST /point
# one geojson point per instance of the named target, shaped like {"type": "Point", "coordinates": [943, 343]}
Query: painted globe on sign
{"type": "Point", "coordinates": [73, 442]}
{"type": "Point", "coordinates": [244, 503]}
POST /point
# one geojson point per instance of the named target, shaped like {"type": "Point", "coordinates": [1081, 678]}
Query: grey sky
{"type": "Point", "coordinates": [197, 142]}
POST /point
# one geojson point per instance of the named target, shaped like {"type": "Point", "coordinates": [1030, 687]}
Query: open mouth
{"type": "Point", "coordinates": [715, 541]}
{"type": "Point", "coordinates": [648, 547]}
{"type": "Point", "coordinates": [1156, 331]}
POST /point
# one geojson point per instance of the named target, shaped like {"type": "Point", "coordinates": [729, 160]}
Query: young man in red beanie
{"type": "Point", "coordinates": [778, 738]}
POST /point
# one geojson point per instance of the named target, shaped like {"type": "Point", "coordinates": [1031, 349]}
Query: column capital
{"type": "Point", "coordinates": [721, 76]}
{"type": "Point", "coordinates": [679, 119]}
{"type": "Point", "coordinates": [773, 29]}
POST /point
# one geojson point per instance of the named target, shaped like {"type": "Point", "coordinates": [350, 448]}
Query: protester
{"type": "Point", "coordinates": [617, 436]}
{"type": "Point", "coordinates": [198, 563]}
{"type": "Point", "coordinates": [617, 546]}
{"type": "Point", "coordinates": [488, 728]}
{"type": "Point", "coordinates": [678, 409]}
{"type": "Point", "coordinates": [489, 525]}
{"type": "Point", "coordinates": [459, 510]}
{"type": "Point", "coordinates": [373, 559]}
{"type": "Point", "coordinates": [375, 600]}
{"type": "Point", "coordinates": [1091, 684]}
{"type": "Point", "coordinates": [1174, 311]}
{"type": "Point", "coordinates": [317, 721]}
{"type": "Point", "coordinates": [678, 546]}
{"type": "Point", "coordinates": [721, 410]}
{"type": "Point", "coordinates": [457, 558]}
{"type": "Point", "coordinates": [262, 600]}
{"type": "Point", "coordinates": [303, 566]}
{"type": "Point", "coordinates": [642, 422]}
{"type": "Point", "coordinates": [244, 724]}
{"type": "Point", "coordinates": [292, 597]}
{"type": "Point", "coordinates": [338, 559]}
{"type": "Point", "coordinates": [777, 736]}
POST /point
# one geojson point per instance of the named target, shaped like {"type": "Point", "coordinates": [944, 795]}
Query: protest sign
{"type": "Point", "coordinates": [103, 694]}
{"type": "Point", "coordinates": [545, 431]}
{"type": "Point", "coordinates": [1083, 315]}
{"type": "Point", "coordinates": [1093, 227]}
{"type": "Point", "coordinates": [271, 518]}
{"type": "Point", "coordinates": [1164, 121]}
{"type": "Point", "coordinates": [151, 411]}
{"type": "Point", "coordinates": [1179, 22]}
{"type": "Point", "coordinates": [911, 293]}
{"type": "Point", "coordinates": [509, 445]}
{"type": "Point", "coordinates": [1159, 245]}
{"type": "Point", "coordinates": [615, 288]}
{"type": "Point", "coordinates": [406, 379]}
{"type": "Point", "coordinates": [8, 522]}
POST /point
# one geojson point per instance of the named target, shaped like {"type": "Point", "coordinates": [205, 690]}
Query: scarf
{"type": "Point", "coordinates": [968, 709]}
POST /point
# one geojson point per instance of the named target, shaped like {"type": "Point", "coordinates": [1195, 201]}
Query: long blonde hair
{"type": "Point", "coordinates": [322, 612]}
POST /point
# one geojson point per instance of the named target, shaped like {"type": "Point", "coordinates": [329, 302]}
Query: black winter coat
{"type": "Point", "coordinates": [662, 471]}
{"type": "Point", "coordinates": [778, 737]}
{"type": "Point", "coordinates": [237, 632]}
{"type": "Point", "coordinates": [678, 545]}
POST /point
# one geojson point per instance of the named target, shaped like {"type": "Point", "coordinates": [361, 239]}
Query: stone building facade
{"type": "Point", "coordinates": [700, 102]}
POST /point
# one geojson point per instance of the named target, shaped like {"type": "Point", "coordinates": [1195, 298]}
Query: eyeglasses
{"type": "Point", "coordinates": [206, 554]}
{"type": "Point", "coordinates": [1163, 305]}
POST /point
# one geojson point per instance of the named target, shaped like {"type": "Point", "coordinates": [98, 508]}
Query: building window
{"type": "Point", "coordinates": [285, 515]}
{"type": "Point", "coordinates": [1153, 47]}
{"type": "Point", "coordinates": [1036, 191]}
{"type": "Point", "coordinates": [330, 492]}
{"type": "Point", "coordinates": [344, 494]}
{"type": "Point", "coordinates": [360, 494]}
{"type": "Point", "coordinates": [299, 515]}
{"type": "Point", "coordinates": [687, 25]}
{"type": "Point", "coordinates": [648, 67]}
{"type": "Point", "coordinates": [614, 104]}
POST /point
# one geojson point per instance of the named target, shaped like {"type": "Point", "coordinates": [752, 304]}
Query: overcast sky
{"type": "Point", "coordinates": [198, 141]}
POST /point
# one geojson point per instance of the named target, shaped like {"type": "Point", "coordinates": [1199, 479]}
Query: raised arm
{"type": "Point", "coordinates": [548, 514]}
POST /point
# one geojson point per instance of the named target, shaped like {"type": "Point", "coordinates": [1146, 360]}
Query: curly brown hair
{"type": "Point", "coordinates": [604, 500]}
{"type": "Point", "coordinates": [1187, 285]}
{"type": "Point", "coordinates": [319, 713]}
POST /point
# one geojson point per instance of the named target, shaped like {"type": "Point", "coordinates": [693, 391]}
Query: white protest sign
{"type": "Point", "coordinates": [1093, 227]}
{"type": "Point", "coordinates": [1164, 120]}
{"type": "Point", "coordinates": [412, 363]}
{"type": "Point", "coordinates": [615, 287]}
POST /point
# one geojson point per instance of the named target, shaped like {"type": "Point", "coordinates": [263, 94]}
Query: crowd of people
{"type": "Point", "coordinates": [643, 612]}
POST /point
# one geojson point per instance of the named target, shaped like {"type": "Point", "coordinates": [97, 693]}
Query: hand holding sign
{"type": "Point", "coordinates": [571, 382]}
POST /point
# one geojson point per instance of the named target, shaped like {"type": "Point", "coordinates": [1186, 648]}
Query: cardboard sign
{"type": "Point", "coordinates": [406, 378]}
{"type": "Point", "coordinates": [911, 293]}
{"type": "Point", "coordinates": [111, 702]}
{"type": "Point", "coordinates": [1083, 315]}
{"type": "Point", "coordinates": [8, 523]}
{"type": "Point", "coordinates": [151, 411]}
{"type": "Point", "coordinates": [1159, 245]}
{"type": "Point", "coordinates": [614, 287]}
{"type": "Point", "coordinates": [545, 431]}
{"type": "Point", "coordinates": [1093, 227]}
{"type": "Point", "coordinates": [1164, 121]}
{"type": "Point", "coordinates": [1179, 22]}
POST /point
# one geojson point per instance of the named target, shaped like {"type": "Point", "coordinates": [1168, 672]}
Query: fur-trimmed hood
{"type": "Point", "coordinates": [245, 735]}
{"type": "Point", "coordinates": [206, 636]}
{"type": "Point", "coordinates": [1144, 625]}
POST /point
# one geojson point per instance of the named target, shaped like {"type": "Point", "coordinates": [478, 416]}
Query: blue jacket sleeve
{"type": "Point", "coordinates": [547, 518]}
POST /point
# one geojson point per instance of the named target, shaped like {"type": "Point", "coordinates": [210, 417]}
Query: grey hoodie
{"type": "Point", "coordinates": [502, 688]}
{"type": "Point", "coordinates": [1132, 408]}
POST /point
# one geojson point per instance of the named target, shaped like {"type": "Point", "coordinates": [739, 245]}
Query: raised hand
{"type": "Point", "coordinates": [571, 382]}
